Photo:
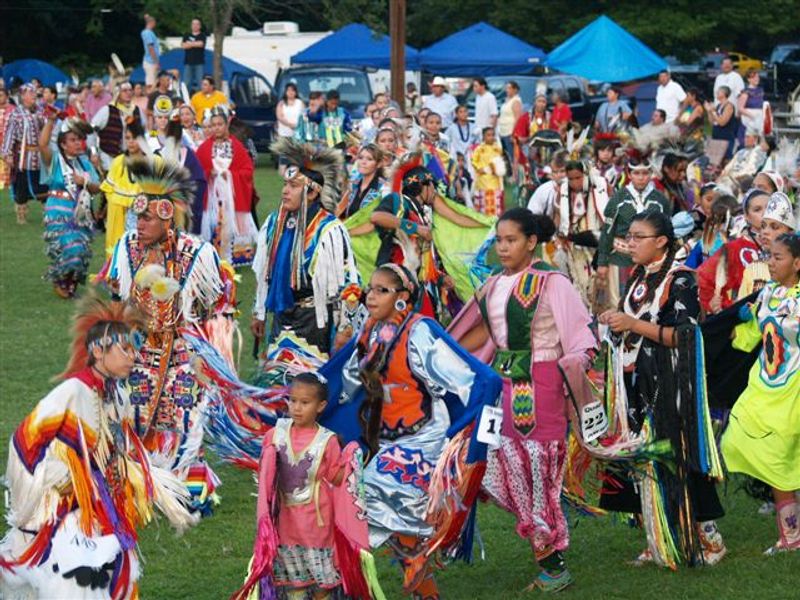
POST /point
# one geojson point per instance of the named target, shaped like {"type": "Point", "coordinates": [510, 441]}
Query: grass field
{"type": "Point", "coordinates": [209, 562]}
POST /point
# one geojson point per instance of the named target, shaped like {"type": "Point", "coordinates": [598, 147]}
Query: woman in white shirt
{"type": "Point", "coordinates": [509, 113]}
{"type": "Point", "coordinates": [288, 113]}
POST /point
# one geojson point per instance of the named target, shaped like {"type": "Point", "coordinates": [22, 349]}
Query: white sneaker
{"type": "Point", "coordinates": [768, 508]}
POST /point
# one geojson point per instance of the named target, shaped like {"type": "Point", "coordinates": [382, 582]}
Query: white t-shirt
{"type": "Point", "coordinates": [669, 98]}
{"type": "Point", "coordinates": [485, 109]}
{"type": "Point", "coordinates": [543, 199]}
{"type": "Point", "coordinates": [734, 81]}
{"type": "Point", "coordinates": [291, 112]}
{"type": "Point", "coordinates": [444, 106]}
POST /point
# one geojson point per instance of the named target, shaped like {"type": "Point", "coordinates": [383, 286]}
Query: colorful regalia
{"type": "Point", "coordinates": [660, 429]}
{"type": "Point", "coordinates": [312, 524]}
{"type": "Point", "coordinates": [5, 168]}
{"type": "Point", "coordinates": [81, 486]}
{"type": "Point", "coordinates": [227, 220]}
{"type": "Point", "coordinates": [419, 487]}
{"type": "Point", "coordinates": [68, 222]}
{"type": "Point", "coordinates": [304, 262]}
{"type": "Point", "coordinates": [538, 328]}
{"type": "Point", "coordinates": [579, 219]}
{"type": "Point", "coordinates": [489, 168]}
{"type": "Point", "coordinates": [763, 434]}
{"type": "Point", "coordinates": [180, 286]}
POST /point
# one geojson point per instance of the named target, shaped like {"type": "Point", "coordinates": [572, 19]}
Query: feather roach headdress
{"type": "Point", "coordinates": [77, 126]}
{"type": "Point", "coordinates": [164, 182]}
{"type": "Point", "coordinates": [409, 174]}
{"type": "Point", "coordinates": [119, 320]}
{"type": "Point", "coordinates": [326, 162]}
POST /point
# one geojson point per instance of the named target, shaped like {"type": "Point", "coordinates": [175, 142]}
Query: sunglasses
{"type": "Point", "coordinates": [381, 290]}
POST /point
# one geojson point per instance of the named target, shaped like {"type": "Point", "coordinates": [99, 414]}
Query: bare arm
{"type": "Point", "coordinates": [383, 219]}
{"type": "Point", "coordinates": [44, 139]}
{"type": "Point", "coordinates": [740, 102]}
{"type": "Point", "coordinates": [475, 338]}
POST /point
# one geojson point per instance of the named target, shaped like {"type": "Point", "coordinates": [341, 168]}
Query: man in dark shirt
{"type": "Point", "coordinates": [194, 44]}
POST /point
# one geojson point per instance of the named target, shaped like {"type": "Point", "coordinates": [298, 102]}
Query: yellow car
{"type": "Point", "coordinates": [743, 63]}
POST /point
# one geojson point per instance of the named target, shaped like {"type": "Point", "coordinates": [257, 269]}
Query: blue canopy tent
{"type": "Point", "coordinates": [174, 60]}
{"type": "Point", "coordinates": [480, 49]}
{"type": "Point", "coordinates": [27, 68]}
{"type": "Point", "coordinates": [354, 45]}
{"type": "Point", "coordinates": [604, 51]}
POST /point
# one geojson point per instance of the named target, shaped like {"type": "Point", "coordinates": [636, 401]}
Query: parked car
{"type": "Point", "coordinates": [353, 85]}
{"type": "Point", "coordinates": [573, 89]}
{"type": "Point", "coordinates": [742, 63]}
{"type": "Point", "coordinates": [254, 98]}
{"type": "Point", "coordinates": [784, 67]}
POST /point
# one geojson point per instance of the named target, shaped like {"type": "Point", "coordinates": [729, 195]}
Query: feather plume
{"type": "Point", "coordinates": [92, 309]}
{"type": "Point", "coordinates": [325, 161]}
{"type": "Point", "coordinates": [77, 126]}
{"type": "Point", "coordinates": [786, 157]}
{"type": "Point", "coordinates": [164, 179]}
{"type": "Point", "coordinates": [401, 166]}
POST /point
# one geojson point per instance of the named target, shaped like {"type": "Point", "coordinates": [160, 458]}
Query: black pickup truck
{"type": "Point", "coordinates": [571, 88]}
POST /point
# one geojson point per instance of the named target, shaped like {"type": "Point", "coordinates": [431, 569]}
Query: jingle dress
{"type": "Point", "coordinates": [537, 324]}
{"type": "Point", "coordinates": [763, 434]}
{"type": "Point", "coordinates": [68, 222]}
{"type": "Point", "coordinates": [167, 398]}
{"type": "Point", "coordinates": [79, 477]}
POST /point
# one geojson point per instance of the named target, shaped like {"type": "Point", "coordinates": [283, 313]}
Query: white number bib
{"type": "Point", "coordinates": [489, 426]}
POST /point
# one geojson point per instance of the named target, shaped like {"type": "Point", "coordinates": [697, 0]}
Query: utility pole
{"type": "Point", "coordinates": [397, 32]}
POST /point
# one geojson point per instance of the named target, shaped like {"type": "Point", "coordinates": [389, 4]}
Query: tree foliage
{"type": "Point", "coordinates": [81, 34]}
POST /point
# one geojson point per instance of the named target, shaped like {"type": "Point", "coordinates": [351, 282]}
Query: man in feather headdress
{"type": "Point", "coordinates": [304, 262]}
{"type": "Point", "coordinates": [176, 280]}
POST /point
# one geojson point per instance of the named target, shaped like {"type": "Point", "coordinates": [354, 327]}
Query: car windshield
{"type": "Point", "coordinates": [779, 53]}
{"type": "Point", "coordinates": [497, 85]}
{"type": "Point", "coordinates": [353, 86]}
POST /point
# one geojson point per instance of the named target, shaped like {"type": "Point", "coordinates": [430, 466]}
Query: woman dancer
{"type": "Point", "coordinates": [531, 323]}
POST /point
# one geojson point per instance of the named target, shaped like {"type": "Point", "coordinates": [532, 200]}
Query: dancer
{"type": "Point", "coordinates": [365, 187]}
{"type": "Point", "coordinates": [227, 221]}
{"type": "Point", "coordinates": [659, 388]}
{"type": "Point", "coordinates": [613, 256]}
{"type": "Point", "coordinates": [176, 280]}
{"type": "Point", "coordinates": [738, 268]}
{"type": "Point", "coordinates": [490, 168]}
{"type": "Point", "coordinates": [81, 485]}
{"type": "Point", "coordinates": [405, 387]}
{"type": "Point", "coordinates": [304, 263]}
{"type": "Point", "coordinates": [21, 151]}
{"type": "Point", "coordinates": [68, 221]}
{"type": "Point", "coordinates": [763, 434]}
{"type": "Point", "coordinates": [120, 189]}
{"type": "Point", "coordinates": [531, 324]}
{"type": "Point", "coordinates": [309, 503]}
{"type": "Point", "coordinates": [579, 219]}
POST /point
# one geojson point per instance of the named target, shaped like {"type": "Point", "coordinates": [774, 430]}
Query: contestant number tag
{"type": "Point", "coordinates": [594, 422]}
{"type": "Point", "coordinates": [489, 426]}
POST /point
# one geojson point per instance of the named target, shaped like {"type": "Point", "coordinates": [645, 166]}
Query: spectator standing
{"type": "Point", "coordinates": [561, 116]}
{"type": "Point", "coordinates": [460, 133]}
{"type": "Point", "coordinates": [485, 107]}
{"type": "Point", "coordinates": [140, 98]}
{"type": "Point", "coordinates": [441, 101]}
{"type": "Point", "coordinates": [750, 105]}
{"type": "Point", "coordinates": [152, 52]}
{"type": "Point", "coordinates": [207, 98]}
{"type": "Point", "coordinates": [669, 95]}
{"type": "Point", "coordinates": [288, 113]}
{"type": "Point", "coordinates": [612, 112]}
{"type": "Point", "coordinates": [412, 97]}
{"type": "Point", "coordinates": [98, 97]}
{"type": "Point", "coordinates": [723, 119]}
{"type": "Point", "coordinates": [729, 78]}
{"type": "Point", "coordinates": [510, 111]}
{"type": "Point", "coordinates": [194, 56]}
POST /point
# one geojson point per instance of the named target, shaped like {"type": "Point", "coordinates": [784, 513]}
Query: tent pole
{"type": "Point", "coordinates": [397, 31]}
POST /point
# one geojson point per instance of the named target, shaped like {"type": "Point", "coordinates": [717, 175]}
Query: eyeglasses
{"type": "Point", "coordinates": [638, 237]}
{"type": "Point", "coordinates": [381, 290]}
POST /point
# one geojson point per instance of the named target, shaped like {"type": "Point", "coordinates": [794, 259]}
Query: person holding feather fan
{"type": "Point", "coordinates": [68, 221]}
{"type": "Point", "coordinates": [80, 482]}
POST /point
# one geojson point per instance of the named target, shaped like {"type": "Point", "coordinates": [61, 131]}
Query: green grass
{"type": "Point", "coordinates": [209, 561]}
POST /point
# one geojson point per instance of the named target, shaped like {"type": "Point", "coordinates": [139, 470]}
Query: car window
{"type": "Point", "coordinates": [555, 85]}
{"type": "Point", "coordinates": [574, 91]}
{"type": "Point", "coordinates": [250, 90]}
{"type": "Point", "coordinates": [793, 56]}
{"type": "Point", "coordinates": [353, 86]}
